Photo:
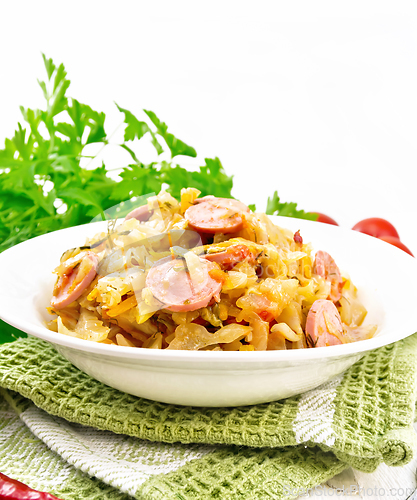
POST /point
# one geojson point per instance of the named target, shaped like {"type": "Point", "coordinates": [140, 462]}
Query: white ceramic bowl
{"type": "Point", "coordinates": [384, 275]}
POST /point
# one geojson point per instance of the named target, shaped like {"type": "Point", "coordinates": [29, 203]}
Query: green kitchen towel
{"type": "Point", "coordinates": [361, 418]}
{"type": "Point", "coordinates": [77, 462]}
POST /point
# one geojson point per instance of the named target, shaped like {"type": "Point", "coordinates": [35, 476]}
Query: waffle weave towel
{"type": "Point", "coordinates": [158, 451]}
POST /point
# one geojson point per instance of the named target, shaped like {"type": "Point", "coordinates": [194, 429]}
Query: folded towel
{"type": "Point", "coordinates": [361, 418]}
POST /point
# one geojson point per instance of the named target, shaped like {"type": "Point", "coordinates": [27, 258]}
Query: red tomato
{"type": "Point", "coordinates": [376, 227]}
{"type": "Point", "coordinates": [326, 219]}
{"type": "Point", "coordinates": [396, 242]}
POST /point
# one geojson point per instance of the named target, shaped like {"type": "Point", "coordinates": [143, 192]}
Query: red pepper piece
{"type": "Point", "coordinates": [10, 489]}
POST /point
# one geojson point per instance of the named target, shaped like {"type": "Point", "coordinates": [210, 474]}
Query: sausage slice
{"type": "Point", "coordinates": [142, 214]}
{"type": "Point", "coordinates": [238, 204]}
{"type": "Point", "coordinates": [216, 215]}
{"type": "Point", "coordinates": [170, 282]}
{"type": "Point", "coordinates": [326, 267]}
{"type": "Point", "coordinates": [77, 275]}
{"type": "Point", "coordinates": [324, 326]}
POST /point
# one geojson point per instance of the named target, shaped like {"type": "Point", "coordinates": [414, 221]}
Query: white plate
{"type": "Point", "coordinates": [384, 275]}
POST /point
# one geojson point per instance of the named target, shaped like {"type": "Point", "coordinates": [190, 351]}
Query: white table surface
{"type": "Point", "coordinates": [396, 483]}
{"type": "Point", "coordinates": [314, 99]}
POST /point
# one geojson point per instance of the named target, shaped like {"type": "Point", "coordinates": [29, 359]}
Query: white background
{"type": "Point", "coordinates": [314, 99]}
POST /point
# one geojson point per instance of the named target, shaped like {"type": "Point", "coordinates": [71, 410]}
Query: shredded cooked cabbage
{"type": "Point", "coordinates": [250, 289]}
{"type": "Point", "coordinates": [88, 327]}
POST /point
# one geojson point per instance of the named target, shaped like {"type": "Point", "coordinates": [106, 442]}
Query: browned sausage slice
{"type": "Point", "coordinates": [326, 267]}
{"type": "Point", "coordinates": [216, 215]}
{"type": "Point", "coordinates": [170, 282]}
{"type": "Point", "coordinates": [324, 326]}
{"type": "Point", "coordinates": [78, 273]}
{"type": "Point", "coordinates": [142, 214]}
{"type": "Point", "coordinates": [236, 203]}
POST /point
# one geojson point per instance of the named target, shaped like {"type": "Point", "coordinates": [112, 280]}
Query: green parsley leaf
{"type": "Point", "coordinates": [275, 207]}
{"type": "Point", "coordinates": [49, 66]}
{"type": "Point", "coordinates": [84, 118]}
{"type": "Point", "coordinates": [209, 179]}
{"type": "Point", "coordinates": [135, 129]}
{"type": "Point", "coordinates": [176, 146]}
{"type": "Point", "coordinates": [137, 180]}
